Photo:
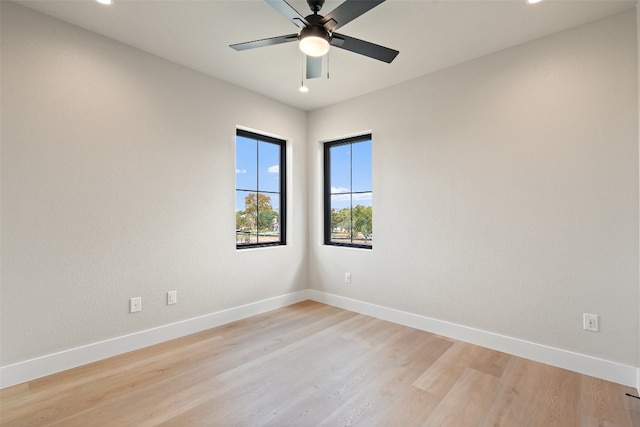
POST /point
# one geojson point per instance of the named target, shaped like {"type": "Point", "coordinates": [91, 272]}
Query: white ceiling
{"type": "Point", "coordinates": [430, 35]}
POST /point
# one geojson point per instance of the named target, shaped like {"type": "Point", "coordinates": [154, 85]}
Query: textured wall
{"type": "Point", "coordinates": [505, 192]}
{"type": "Point", "coordinates": [118, 181]}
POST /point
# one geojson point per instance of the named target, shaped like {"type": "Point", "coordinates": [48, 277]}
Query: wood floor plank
{"type": "Point", "coordinates": [490, 361]}
{"type": "Point", "coordinates": [511, 405]}
{"type": "Point", "coordinates": [361, 372]}
{"type": "Point", "coordinates": [290, 376]}
{"type": "Point", "coordinates": [466, 401]}
{"type": "Point", "coordinates": [310, 364]}
{"type": "Point", "coordinates": [446, 371]}
{"type": "Point", "coordinates": [411, 408]}
{"type": "Point", "coordinates": [633, 405]}
{"type": "Point", "coordinates": [557, 396]}
{"type": "Point", "coordinates": [405, 366]}
{"type": "Point", "coordinates": [599, 401]}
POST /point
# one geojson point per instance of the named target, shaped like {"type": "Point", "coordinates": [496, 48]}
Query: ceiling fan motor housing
{"type": "Point", "coordinates": [315, 31]}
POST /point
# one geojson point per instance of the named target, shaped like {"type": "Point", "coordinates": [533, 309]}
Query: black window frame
{"type": "Point", "coordinates": [327, 231]}
{"type": "Point", "coordinates": [282, 168]}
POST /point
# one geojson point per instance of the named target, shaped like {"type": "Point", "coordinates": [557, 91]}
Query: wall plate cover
{"type": "Point", "coordinates": [172, 297]}
{"type": "Point", "coordinates": [590, 322]}
{"type": "Point", "coordinates": [135, 304]}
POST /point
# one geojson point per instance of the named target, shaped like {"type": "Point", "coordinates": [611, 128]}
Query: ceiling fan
{"type": "Point", "coordinates": [317, 33]}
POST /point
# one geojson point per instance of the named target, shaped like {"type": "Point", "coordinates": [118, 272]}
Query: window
{"type": "Point", "coordinates": [348, 210]}
{"type": "Point", "coordinates": [260, 190]}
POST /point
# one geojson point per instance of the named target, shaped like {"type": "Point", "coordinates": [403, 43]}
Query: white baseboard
{"type": "Point", "coordinates": [67, 359]}
{"type": "Point", "coordinates": [57, 362]}
{"type": "Point", "coordinates": [599, 368]}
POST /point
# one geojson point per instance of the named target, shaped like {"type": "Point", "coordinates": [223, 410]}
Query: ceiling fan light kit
{"type": "Point", "coordinates": [317, 33]}
{"type": "Point", "coordinates": [314, 41]}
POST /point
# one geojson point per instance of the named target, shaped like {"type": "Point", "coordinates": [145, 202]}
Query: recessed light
{"type": "Point", "coordinates": [105, 2]}
{"type": "Point", "coordinates": [533, 1]}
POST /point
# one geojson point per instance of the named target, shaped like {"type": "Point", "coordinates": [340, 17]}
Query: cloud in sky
{"type": "Point", "coordinates": [241, 171]}
{"type": "Point", "coordinates": [362, 196]}
{"type": "Point", "coordinates": [346, 197]}
{"type": "Point", "coordinates": [274, 169]}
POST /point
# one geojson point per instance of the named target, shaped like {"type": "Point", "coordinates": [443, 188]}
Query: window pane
{"type": "Point", "coordinates": [341, 168]}
{"type": "Point", "coordinates": [268, 167]}
{"type": "Point", "coordinates": [245, 218]}
{"type": "Point", "coordinates": [362, 219]}
{"type": "Point", "coordinates": [246, 163]}
{"type": "Point", "coordinates": [268, 218]}
{"type": "Point", "coordinates": [341, 218]}
{"type": "Point", "coordinates": [361, 166]}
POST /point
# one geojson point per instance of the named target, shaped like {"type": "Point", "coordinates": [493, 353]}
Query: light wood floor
{"type": "Point", "coordinates": [311, 364]}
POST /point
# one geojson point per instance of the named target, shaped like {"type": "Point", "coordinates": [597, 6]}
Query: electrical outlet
{"type": "Point", "coordinates": [135, 304]}
{"type": "Point", "coordinates": [347, 278]}
{"type": "Point", "coordinates": [172, 297]}
{"type": "Point", "coordinates": [590, 322]}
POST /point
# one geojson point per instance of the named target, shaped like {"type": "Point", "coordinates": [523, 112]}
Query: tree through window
{"type": "Point", "coordinates": [260, 190]}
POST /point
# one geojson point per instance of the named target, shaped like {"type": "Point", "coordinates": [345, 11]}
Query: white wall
{"type": "Point", "coordinates": [505, 193]}
{"type": "Point", "coordinates": [118, 181]}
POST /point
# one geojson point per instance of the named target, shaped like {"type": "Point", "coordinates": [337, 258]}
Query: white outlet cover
{"type": "Point", "coordinates": [135, 304]}
{"type": "Point", "coordinates": [172, 297]}
{"type": "Point", "coordinates": [590, 322]}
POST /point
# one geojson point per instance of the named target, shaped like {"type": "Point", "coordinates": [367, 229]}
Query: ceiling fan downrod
{"type": "Point", "coordinates": [315, 5]}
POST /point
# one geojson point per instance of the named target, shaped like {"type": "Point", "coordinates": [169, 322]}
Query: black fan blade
{"type": "Point", "coordinates": [314, 67]}
{"type": "Point", "coordinates": [347, 12]}
{"type": "Point", "coordinates": [265, 42]}
{"type": "Point", "coordinates": [362, 47]}
{"type": "Point", "coordinates": [286, 10]}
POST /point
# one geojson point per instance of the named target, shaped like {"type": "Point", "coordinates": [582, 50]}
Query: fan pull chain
{"type": "Point", "coordinates": [303, 88]}
{"type": "Point", "coordinates": [328, 64]}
